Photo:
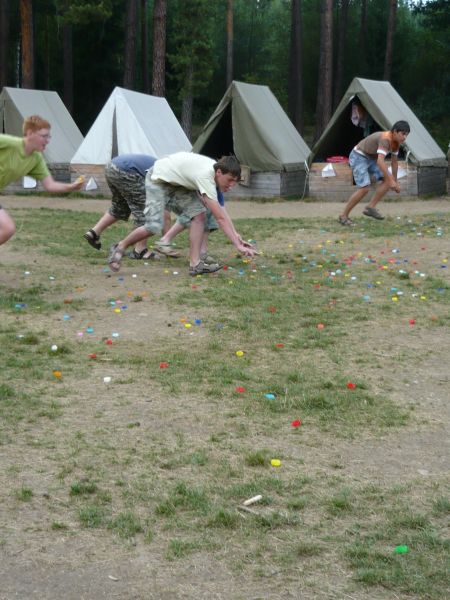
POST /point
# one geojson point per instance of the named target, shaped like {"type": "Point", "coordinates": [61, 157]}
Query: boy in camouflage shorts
{"type": "Point", "coordinates": [125, 176]}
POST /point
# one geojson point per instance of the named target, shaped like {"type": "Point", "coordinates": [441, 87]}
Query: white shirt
{"type": "Point", "coordinates": [188, 170]}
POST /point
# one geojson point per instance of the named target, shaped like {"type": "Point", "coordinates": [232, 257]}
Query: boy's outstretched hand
{"type": "Point", "coordinates": [246, 248]}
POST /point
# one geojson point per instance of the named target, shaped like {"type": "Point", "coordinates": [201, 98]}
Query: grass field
{"type": "Point", "coordinates": [139, 410]}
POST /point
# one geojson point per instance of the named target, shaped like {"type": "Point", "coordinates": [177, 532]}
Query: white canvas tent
{"type": "Point", "coordinates": [129, 123]}
{"type": "Point", "coordinates": [16, 104]}
{"type": "Point", "coordinates": [132, 123]}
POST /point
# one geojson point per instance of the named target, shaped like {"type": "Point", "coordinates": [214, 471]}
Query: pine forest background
{"type": "Point", "coordinates": [306, 51]}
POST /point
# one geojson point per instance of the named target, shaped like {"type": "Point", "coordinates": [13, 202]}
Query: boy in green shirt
{"type": "Point", "coordinates": [23, 156]}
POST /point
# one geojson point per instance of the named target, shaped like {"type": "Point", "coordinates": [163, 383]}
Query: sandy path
{"type": "Point", "coordinates": [244, 208]}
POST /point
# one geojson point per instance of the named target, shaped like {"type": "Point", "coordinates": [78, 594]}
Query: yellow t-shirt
{"type": "Point", "coordinates": [188, 170]}
{"type": "Point", "coordinates": [14, 163]}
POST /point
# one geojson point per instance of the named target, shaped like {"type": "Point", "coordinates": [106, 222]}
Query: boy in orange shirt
{"type": "Point", "coordinates": [368, 158]}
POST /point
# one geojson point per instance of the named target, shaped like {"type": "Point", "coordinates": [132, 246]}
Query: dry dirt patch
{"type": "Point", "coordinates": [38, 563]}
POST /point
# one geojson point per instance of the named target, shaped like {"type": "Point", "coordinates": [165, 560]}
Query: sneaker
{"type": "Point", "coordinates": [203, 268]}
{"type": "Point", "coordinates": [209, 260]}
{"type": "Point", "coordinates": [373, 212]}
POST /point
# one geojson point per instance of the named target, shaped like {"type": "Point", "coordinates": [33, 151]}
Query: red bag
{"type": "Point", "coordinates": [337, 159]}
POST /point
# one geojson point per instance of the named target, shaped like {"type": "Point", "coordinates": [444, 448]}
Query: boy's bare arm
{"type": "Point", "coordinates": [225, 223]}
{"type": "Point", "coordinates": [387, 176]}
{"type": "Point", "coordinates": [246, 244]}
{"type": "Point", "coordinates": [57, 186]}
{"type": "Point", "coordinates": [394, 166]}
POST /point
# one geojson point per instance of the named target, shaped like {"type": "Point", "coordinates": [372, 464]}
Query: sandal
{"type": "Point", "coordinates": [167, 250]}
{"type": "Point", "coordinates": [209, 260]}
{"type": "Point", "coordinates": [345, 221]}
{"type": "Point", "coordinates": [115, 257]}
{"type": "Point", "coordinates": [145, 254]}
{"type": "Point", "coordinates": [93, 239]}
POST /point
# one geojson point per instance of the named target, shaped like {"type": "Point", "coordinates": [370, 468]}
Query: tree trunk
{"type": "Point", "coordinates": [295, 99]}
{"type": "Point", "coordinates": [187, 103]}
{"type": "Point", "coordinates": [46, 53]}
{"type": "Point", "coordinates": [130, 45]}
{"type": "Point", "coordinates": [342, 34]}
{"type": "Point", "coordinates": [324, 88]}
{"type": "Point", "coordinates": [67, 61]}
{"type": "Point", "coordinates": [159, 48]}
{"type": "Point", "coordinates": [250, 57]}
{"type": "Point", "coordinates": [4, 40]}
{"type": "Point", "coordinates": [390, 40]}
{"type": "Point", "coordinates": [362, 41]}
{"type": "Point", "coordinates": [229, 42]}
{"type": "Point", "coordinates": [27, 37]}
{"type": "Point", "coordinates": [144, 47]}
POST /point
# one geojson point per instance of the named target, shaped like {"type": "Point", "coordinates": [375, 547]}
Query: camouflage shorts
{"type": "Point", "coordinates": [128, 194]}
{"type": "Point", "coordinates": [162, 196]}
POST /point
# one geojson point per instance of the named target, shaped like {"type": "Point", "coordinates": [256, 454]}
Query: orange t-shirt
{"type": "Point", "coordinates": [376, 143]}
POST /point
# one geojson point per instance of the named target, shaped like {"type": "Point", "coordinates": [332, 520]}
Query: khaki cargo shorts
{"type": "Point", "coordinates": [162, 196]}
{"type": "Point", "coordinates": [210, 223]}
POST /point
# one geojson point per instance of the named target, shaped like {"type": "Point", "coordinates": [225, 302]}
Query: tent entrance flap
{"type": "Point", "coordinates": [220, 142]}
{"type": "Point", "coordinates": [344, 135]}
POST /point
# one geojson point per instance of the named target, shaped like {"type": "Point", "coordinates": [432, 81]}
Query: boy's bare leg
{"type": "Point", "coordinates": [355, 198]}
{"type": "Point", "coordinates": [140, 234]}
{"type": "Point", "coordinates": [196, 231]}
{"type": "Point", "coordinates": [167, 221]}
{"type": "Point", "coordinates": [204, 247]}
{"type": "Point", "coordinates": [142, 245]}
{"type": "Point", "coordinates": [171, 233]}
{"type": "Point", "coordinates": [7, 226]}
{"type": "Point", "coordinates": [105, 221]}
{"type": "Point", "coordinates": [381, 191]}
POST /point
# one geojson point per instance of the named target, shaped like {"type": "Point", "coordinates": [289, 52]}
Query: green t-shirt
{"type": "Point", "coordinates": [14, 163]}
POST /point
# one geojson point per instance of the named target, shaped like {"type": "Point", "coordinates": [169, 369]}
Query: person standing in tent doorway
{"type": "Point", "coordinates": [186, 184]}
{"type": "Point", "coordinates": [368, 158]}
{"type": "Point", "coordinates": [23, 156]}
{"type": "Point", "coordinates": [125, 176]}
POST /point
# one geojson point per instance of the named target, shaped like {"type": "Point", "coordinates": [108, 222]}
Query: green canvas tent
{"type": "Point", "coordinates": [383, 106]}
{"type": "Point", "coordinates": [250, 123]}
